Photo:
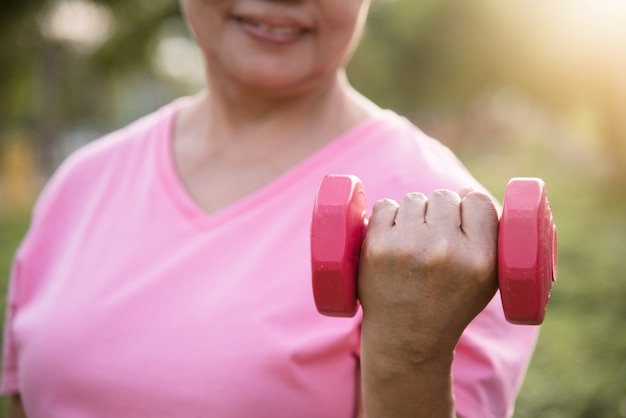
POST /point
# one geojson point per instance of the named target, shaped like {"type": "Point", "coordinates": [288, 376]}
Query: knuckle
{"type": "Point", "coordinates": [415, 197]}
{"type": "Point", "coordinates": [384, 204]}
{"type": "Point", "coordinates": [482, 263]}
{"type": "Point", "coordinates": [376, 251]}
{"type": "Point", "coordinates": [479, 199]}
{"type": "Point", "coordinates": [437, 253]}
{"type": "Point", "coordinates": [445, 194]}
{"type": "Point", "coordinates": [391, 251]}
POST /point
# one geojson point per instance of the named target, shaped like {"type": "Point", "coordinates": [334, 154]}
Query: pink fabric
{"type": "Point", "coordinates": [128, 300]}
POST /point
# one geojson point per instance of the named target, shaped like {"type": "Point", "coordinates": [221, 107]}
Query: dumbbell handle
{"type": "Point", "coordinates": [527, 253]}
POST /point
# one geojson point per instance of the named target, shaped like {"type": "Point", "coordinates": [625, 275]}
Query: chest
{"type": "Point", "coordinates": [217, 177]}
{"type": "Point", "coordinates": [168, 321]}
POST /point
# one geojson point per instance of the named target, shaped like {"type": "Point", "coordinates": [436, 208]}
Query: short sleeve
{"type": "Point", "coordinates": [490, 364]}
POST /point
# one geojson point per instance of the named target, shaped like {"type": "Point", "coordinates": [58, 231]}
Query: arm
{"type": "Point", "coordinates": [360, 410]}
{"type": "Point", "coordinates": [16, 409]}
{"type": "Point", "coordinates": [427, 269]}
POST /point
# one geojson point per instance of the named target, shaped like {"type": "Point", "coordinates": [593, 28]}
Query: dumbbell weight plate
{"type": "Point", "coordinates": [337, 231]}
{"type": "Point", "coordinates": [527, 251]}
{"type": "Point", "coordinates": [527, 248]}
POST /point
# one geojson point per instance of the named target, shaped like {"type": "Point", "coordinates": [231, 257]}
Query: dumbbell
{"type": "Point", "coordinates": [527, 247]}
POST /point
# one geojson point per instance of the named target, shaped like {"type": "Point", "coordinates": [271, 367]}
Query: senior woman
{"type": "Point", "coordinates": [166, 270]}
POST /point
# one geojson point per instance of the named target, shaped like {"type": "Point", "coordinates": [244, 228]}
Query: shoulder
{"type": "Point", "coordinates": [88, 186]}
{"type": "Point", "coordinates": [98, 172]}
{"type": "Point", "coordinates": [116, 147]}
{"type": "Point", "coordinates": [398, 157]}
{"type": "Point", "coordinates": [107, 157]}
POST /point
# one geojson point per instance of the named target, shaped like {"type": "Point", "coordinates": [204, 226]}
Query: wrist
{"type": "Point", "coordinates": [406, 387]}
{"type": "Point", "coordinates": [397, 350]}
{"type": "Point", "coordinates": [390, 366]}
{"type": "Point", "coordinates": [403, 378]}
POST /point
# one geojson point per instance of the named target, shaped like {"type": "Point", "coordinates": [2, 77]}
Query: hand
{"type": "Point", "coordinates": [428, 267]}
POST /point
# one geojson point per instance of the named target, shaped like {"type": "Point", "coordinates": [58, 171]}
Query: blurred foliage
{"type": "Point", "coordinates": [428, 56]}
{"type": "Point", "coordinates": [579, 366]}
{"type": "Point", "coordinates": [529, 88]}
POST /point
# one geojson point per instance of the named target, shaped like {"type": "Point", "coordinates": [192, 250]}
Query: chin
{"type": "Point", "coordinates": [273, 83]}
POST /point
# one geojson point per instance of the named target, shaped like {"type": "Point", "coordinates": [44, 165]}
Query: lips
{"type": "Point", "coordinates": [272, 29]}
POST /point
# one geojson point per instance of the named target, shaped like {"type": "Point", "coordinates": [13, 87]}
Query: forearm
{"type": "Point", "coordinates": [393, 387]}
{"type": "Point", "coordinates": [16, 410]}
{"type": "Point", "coordinates": [427, 268]}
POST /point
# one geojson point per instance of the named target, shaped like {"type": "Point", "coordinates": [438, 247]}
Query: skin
{"type": "Point", "coordinates": [278, 92]}
{"type": "Point", "coordinates": [428, 268]}
{"type": "Point", "coordinates": [16, 410]}
{"type": "Point", "coordinates": [275, 101]}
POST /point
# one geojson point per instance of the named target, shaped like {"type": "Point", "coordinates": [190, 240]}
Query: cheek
{"type": "Point", "coordinates": [345, 11]}
{"type": "Point", "coordinates": [203, 9]}
{"type": "Point", "coordinates": [346, 17]}
{"type": "Point", "coordinates": [345, 22]}
{"type": "Point", "coordinates": [202, 17]}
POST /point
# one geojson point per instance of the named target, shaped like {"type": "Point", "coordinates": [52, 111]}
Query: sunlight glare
{"type": "Point", "coordinates": [599, 20]}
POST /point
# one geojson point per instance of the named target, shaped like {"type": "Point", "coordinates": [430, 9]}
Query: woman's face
{"type": "Point", "coordinates": [277, 45]}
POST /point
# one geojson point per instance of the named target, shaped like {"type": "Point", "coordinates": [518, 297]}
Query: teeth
{"type": "Point", "coordinates": [274, 30]}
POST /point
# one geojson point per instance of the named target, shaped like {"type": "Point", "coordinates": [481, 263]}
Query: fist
{"type": "Point", "coordinates": [428, 267]}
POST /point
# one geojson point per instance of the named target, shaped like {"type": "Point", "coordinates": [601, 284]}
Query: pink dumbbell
{"type": "Point", "coordinates": [527, 247]}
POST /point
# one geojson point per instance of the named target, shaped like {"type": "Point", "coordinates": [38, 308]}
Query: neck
{"type": "Point", "coordinates": [270, 128]}
{"type": "Point", "coordinates": [238, 114]}
{"type": "Point", "coordinates": [231, 148]}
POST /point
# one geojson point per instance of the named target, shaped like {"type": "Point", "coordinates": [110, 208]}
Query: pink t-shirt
{"type": "Point", "coordinates": [127, 300]}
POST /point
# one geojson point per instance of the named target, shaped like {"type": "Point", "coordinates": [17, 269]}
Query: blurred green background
{"type": "Point", "coordinates": [532, 88]}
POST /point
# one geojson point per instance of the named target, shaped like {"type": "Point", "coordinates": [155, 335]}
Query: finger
{"type": "Point", "coordinates": [383, 215]}
{"type": "Point", "coordinates": [479, 217]}
{"type": "Point", "coordinates": [465, 191]}
{"type": "Point", "coordinates": [412, 210]}
{"type": "Point", "coordinates": [444, 211]}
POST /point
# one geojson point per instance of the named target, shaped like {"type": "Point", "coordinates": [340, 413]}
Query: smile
{"type": "Point", "coordinates": [277, 32]}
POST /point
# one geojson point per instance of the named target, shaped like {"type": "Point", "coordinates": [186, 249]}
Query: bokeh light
{"type": "Point", "coordinates": [82, 24]}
